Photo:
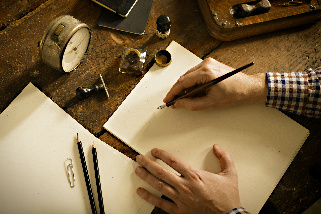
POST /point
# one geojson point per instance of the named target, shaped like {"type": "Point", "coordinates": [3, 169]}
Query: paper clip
{"type": "Point", "coordinates": [70, 172]}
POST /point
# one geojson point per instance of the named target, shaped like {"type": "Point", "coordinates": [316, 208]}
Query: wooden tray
{"type": "Point", "coordinates": [223, 26]}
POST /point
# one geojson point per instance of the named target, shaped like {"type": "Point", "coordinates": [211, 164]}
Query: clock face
{"type": "Point", "coordinates": [75, 49]}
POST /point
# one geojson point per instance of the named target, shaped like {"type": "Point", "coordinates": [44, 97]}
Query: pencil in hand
{"type": "Point", "coordinates": [190, 92]}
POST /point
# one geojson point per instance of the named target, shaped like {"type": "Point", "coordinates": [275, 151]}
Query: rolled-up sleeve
{"type": "Point", "coordinates": [238, 210]}
{"type": "Point", "coordinates": [295, 92]}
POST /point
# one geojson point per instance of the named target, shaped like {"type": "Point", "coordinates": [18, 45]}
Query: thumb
{"type": "Point", "coordinates": [226, 161]}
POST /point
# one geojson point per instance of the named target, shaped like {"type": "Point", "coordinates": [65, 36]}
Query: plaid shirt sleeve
{"type": "Point", "coordinates": [238, 210]}
{"type": "Point", "coordinates": [295, 92]}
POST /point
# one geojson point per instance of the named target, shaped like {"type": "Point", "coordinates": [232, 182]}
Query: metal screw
{"type": "Point", "coordinates": [312, 7]}
{"type": "Point", "coordinates": [214, 13]}
{"type": "Point", "coordinates": [237, 23]}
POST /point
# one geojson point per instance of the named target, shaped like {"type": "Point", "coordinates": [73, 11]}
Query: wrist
{"type": "Point", "coordinates": [255, 89]}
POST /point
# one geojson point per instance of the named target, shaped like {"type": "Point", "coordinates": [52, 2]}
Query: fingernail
{"type": "Point", "coordinates": [138, 169]}
{"type": "Point", "coordinates": [138, 158]}
{"type": "Point", "coordinates": [139, 190]}
{"type": "Point", "coordinates": [154, 152]}
{"type": "Point", "coordinates": [215, 148]}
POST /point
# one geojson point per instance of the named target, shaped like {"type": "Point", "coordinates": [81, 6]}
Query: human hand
{"type": "Point", "coordinates": [195, 191]}
{"type": "Point", "coordinates": [237, 89]}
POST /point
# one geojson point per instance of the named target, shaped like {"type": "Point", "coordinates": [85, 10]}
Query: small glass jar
{"type": "Point", "coordinates": [132, 61]}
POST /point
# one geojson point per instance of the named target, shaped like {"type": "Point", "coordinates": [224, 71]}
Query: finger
{"type": "Point", "coordinates": [189, 80]}
{"type": "Point", "coordinates": [205, 65]}
{"type": "Point", "coordinates": [158, 171]}
{"type": "Point", "coordinates": [193, 104]}
{"type": "Point", "coordinates": [183, 82]}
{"type": "Point", "coordinates": [226, 161]}
{"type": "Point", "coordinates": [207, 70]}
{"type": "Point", "coordinates": [208, 60]}
{"type": "Point", "coordinates": [158, 184]}
{"type": "Point", "coordinates": [163, 204]}
{"type": "Point", "coordinates": [180, 166]}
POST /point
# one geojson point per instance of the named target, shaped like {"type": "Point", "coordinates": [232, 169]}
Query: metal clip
{"type": "Point", "coordinates": [70, 172]}
{"type": "Point", "coordinates": [102, 80]}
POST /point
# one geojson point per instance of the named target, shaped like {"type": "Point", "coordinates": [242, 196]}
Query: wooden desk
{"type": "Point", "coordinates": [23, 22]}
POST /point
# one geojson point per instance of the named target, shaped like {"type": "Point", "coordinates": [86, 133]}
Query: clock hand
{"type": "Point", "coordinates": [75, 48]}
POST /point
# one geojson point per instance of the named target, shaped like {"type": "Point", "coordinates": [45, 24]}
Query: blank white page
{"type": "Point", "coordinates": [261, 140]}
{"type": "Point", "coordinates": [36, 138]}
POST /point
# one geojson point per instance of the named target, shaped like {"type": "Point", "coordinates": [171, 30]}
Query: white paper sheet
{"type": "Point", "coordinates": [36, 138]}
{"type": "Point", "coordinates": [262, 141]}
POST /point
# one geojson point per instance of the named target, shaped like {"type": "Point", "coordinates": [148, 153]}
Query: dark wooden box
{"type": "Point", "coordinates": [223, 26]}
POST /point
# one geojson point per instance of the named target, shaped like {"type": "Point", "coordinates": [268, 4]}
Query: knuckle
{"type": "Point", "coordinates": [185, 189]}
{"type": "Point", "coordinates": [172, 161]}
{"type": "Point", "coordinates": [144, 175]}
{"type": "Point", "coordinates": [159, 203]}
{"type": "Point", "coordinates": [160, 186]}
{"type": "Point", "coordinates": [206, 74]}
{"type": "Point", "coordinates": [209, 59]}
{"type": "Point", "coordinates": [181, 78]}
{"type": "Point", "coordinates": [196, 176]}
{"type": "Point", "coordinates": [160, 173]}
{"type": "Point", "coordinates": [206, 68]}
{"type": "Point", "coordinates": [144, 163]}
{"type": "Point", "coordinates": [193, 107]}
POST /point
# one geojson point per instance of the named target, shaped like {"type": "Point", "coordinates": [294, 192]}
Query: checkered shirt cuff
{"type": "Point", "coordinates": [238, 210]}
{"type": "Point", "coordinates": [295, 92]}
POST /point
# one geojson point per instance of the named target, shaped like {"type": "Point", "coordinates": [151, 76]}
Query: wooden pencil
{"type": "Point", "coordinates": [99, 191]}
{"type": "Point", "coordinates": [87, 179]}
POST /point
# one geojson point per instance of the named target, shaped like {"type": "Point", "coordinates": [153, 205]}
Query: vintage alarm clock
{"type": "Point", "coordinates": [64, 43]}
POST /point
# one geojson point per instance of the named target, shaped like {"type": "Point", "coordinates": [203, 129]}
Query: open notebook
{"type": "Point", "coordinates": [36, 138]}
{"type": "Point", "coordinates": [262, 141]}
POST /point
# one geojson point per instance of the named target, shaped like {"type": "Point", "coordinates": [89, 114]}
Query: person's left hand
{"type": "Point", "coordinates": [195, 191]}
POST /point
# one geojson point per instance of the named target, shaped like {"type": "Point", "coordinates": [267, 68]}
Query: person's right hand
{"type": "Point", "coordinates": [237, 89]}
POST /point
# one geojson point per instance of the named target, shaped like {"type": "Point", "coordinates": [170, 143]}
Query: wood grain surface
{"type": "Point", "coordinates": [22, 23]}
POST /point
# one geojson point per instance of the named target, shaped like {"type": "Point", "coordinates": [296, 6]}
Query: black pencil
{"type": "Point", "coordinates": [100, 194]}
{"type": "Point", "coordinates": [200, 88]}
{"type": "Point", "coordinates": [87, 179]}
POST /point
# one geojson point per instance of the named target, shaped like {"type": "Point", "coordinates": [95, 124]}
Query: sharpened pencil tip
{"type": "Point", "coordinates": [78, 138]}
{"type": "Point", "coordinates": [94, 145]}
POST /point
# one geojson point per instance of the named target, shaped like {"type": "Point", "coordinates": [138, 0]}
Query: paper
{"type": "Point", "coordinates": [36, 138]}
{"type": "Point", "coordinates": [261, 140]}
